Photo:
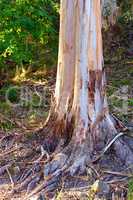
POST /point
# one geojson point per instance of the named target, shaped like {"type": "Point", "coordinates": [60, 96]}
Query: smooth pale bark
{"type": "Point", "coordinates": [80, 85]}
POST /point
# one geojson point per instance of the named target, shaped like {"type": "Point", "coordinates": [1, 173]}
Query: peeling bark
{"type": "Point", "coordinates": [80, 86]}
{"type": "Point", "coordinates": [81, 111]}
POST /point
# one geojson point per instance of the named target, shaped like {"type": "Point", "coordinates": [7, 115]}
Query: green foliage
{"type": "Point", "coordinates": [126, 5]}
{"type": "Point", "coordinates": [28, 31]}
{"type": "Point", "coordinates": [126, 11]}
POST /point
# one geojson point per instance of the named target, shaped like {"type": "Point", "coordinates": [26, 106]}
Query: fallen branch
{"type": "Point", "coordinates": [10, 177]}
{"type": "Point", "coordinates": [117, 181]}
{"type": "Point", "coordinates": [118, 173]}
{"type": "Point", "coordinates": [108, 146]}
{"type": "Point", "coordinates": [4, 168]}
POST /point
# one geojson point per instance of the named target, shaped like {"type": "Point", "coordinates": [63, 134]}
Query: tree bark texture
{"type": "Point", "coordinates": [80, 113]}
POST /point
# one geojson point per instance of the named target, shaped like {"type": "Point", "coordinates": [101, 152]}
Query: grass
{"type": "Point", "coordinates": [130, 102]}
{"type": "Point", "coordinates": [6, 126]}
{"type": "Point", "coordinates": [130, 190]}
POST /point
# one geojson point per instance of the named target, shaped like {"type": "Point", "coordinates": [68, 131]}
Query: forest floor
{"type": "Point", "coordinates": [24, 104]}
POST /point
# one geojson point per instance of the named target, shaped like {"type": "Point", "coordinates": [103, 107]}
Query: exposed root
{"type": "Point", "coordinates": [72, 163]}
{"type": "Point", "coordinates": [28, 184]}
{"type": "Point", "coordinates": [47, 187]}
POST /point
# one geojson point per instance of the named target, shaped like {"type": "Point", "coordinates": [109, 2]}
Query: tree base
{"type": "Point", "coordinates": [73, 161]}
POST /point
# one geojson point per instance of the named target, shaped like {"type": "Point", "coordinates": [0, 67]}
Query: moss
{"type": "Point", "coordinates": [116, 83]}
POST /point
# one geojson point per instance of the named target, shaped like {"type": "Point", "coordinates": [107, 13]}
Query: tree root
{"type": "Point", "coordinates": [29, 184]}
{"type": "Point", "coordinates": [72, 163]}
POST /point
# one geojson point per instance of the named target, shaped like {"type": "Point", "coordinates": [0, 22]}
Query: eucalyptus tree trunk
{"type": "Point", "coordinates": [80, 114]}
{"type": "Point", "coordinates": [80, 96]}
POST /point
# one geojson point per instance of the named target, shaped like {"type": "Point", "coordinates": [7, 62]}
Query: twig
{"type": "Point", "coordinates": [77, 188]}
{"type": "Point", "coordinates": [4, 137]}
{"type": "Point", "coordinates": [43, 153]}
{"type": "Point", "coordinates": [112, 141]}
{"type": "Point", "coordinates": [118, 173]}
{"type": "Point", "coordinates": [11, 151]}
{"type": "Point", "coordinates": [116, 181]}
{"type": "Point", "coordinates": [10, 177]}
{"type": "Point", "coordinates": [3, 169]}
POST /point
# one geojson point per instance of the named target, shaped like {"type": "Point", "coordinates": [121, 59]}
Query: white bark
{"type": "Point", "coordinates": [80, 85]}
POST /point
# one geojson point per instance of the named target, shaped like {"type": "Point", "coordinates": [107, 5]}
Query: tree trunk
{"type": "Point", "coordinates": [80, 108]}
{"type": "Point", "coordinates": [80, 96]}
